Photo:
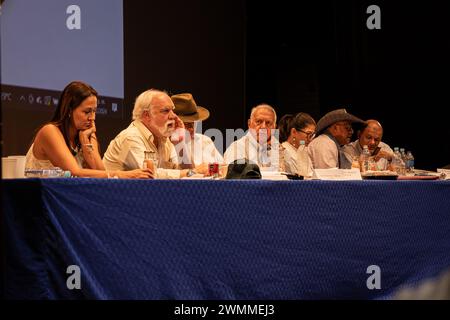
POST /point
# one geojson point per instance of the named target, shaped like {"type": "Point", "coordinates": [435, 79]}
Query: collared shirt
{"type": "Point", "coordinates": [203, 150]}
{"type": "Point", "coordinates": [354, 149]}
{"type": "Point", "coordinates": [325, 153]}
{"type": "Point", "coordinates": [248, 148]}
{"type": "Point", "coordinates": [291, 161]}
{"type": "Point", "coordinates": [126, 151]}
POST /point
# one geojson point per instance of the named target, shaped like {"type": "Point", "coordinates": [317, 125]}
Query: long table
{"type": "Point", "coordinates": [241, 239]}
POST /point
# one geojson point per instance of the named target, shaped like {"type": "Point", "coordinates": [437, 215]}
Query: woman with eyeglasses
{"type": "Point", "coordinates": [294, 129]}
{"type": "Point", "coordinates": [69, 140]}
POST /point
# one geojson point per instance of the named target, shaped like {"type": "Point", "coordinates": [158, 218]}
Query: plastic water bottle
{"type": "Point", "coordinates": [365, 155]}
{"type": "Point", "coordinates": [397, 162]}
{"type": "Point", "coordinates": [403, 154]}
{"type": "Point", "coordinates": [410, 157]}
{"type": "Point", "coordinates": [59, 173]}
{"type": "Point", "coordinates": [47, 173]}
{"type": "Point", "coordinates": [402, 151]}
{"type": "Point", "coordinates": [303, 160]}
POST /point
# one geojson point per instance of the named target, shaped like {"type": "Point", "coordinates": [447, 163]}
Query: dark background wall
{"type": "Point", "coordinates": [310, 56]}
{"type": "Point", "coordinates": [188, 46]}
{"type": "Point", "coordinates": [316, 56]}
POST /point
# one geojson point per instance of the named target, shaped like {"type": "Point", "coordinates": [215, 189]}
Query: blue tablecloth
{"type": "Point", "coordinates": [190, 239]}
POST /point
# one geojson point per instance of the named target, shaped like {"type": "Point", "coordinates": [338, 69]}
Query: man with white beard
{"type": "Point", "coordinates": [153, 123]}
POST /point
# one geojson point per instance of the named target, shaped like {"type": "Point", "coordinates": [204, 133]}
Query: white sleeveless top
{"type": "Point", "coordinates": [31, 162]}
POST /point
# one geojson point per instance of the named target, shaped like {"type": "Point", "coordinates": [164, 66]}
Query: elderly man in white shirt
{"type": "Point", "coordinates": [200, 147]}
{"type": "Point", "coordinates": [335, 131]}
{"type": "Point", "coordinates": [154, 121]}
{"type": "Point", "coordinates": [259, 145]}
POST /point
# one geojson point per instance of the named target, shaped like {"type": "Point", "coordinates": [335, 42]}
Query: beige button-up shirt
{"type": "Point", "coordinates": [126, 152]}
{"type": "Point", "coordinates": [325, 153]}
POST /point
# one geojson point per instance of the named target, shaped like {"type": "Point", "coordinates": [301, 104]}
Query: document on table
{"type": "Point", "coordinates": [446, 172]}
{"type": "Point", "coordinates": [337, 174]}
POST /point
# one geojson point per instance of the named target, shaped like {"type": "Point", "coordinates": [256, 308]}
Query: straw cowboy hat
{"type": "Point", "coordinates": [186, 108]}
{"type": "Point", "coordinates": [335, 116]}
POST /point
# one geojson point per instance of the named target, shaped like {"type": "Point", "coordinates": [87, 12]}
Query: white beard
{"type": "Point", "coordinates": [167, 131]}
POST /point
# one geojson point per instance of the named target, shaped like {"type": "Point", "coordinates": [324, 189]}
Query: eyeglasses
{"type": "Point", "coordinates": [309, 135]}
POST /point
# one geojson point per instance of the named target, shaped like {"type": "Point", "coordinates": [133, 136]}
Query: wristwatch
{"type": "Point", "coordinates": [190, 173]}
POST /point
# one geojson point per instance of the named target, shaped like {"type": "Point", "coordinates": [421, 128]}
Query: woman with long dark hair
{"type": "Point", "coordinates": [69, 140]}
{"type": "Point", "coordinates": [293, 130]}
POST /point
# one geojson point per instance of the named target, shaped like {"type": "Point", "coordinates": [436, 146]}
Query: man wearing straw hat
{"type": "Point", "coordinates": [334, 131]}
{"type": "Point", "coordinates": [201, 147]}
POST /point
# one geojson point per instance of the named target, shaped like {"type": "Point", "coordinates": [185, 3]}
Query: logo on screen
{"type": "Point", "coordinates": [6, 96]}
{"type": "Point", "coordinates": [47, 100]}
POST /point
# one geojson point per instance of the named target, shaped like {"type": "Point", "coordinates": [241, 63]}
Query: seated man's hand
{"type": "Point", "coordinates": [202, 168]}
{"type": "Point", "coordinates": [179, 135]}
{"type": "Point", "coordinates": [383, 154]}
{"type": "Point", "coordinates": [180, 132]}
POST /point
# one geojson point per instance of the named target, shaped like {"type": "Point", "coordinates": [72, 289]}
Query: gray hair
{"type": "Point", "coordinates": [264, 106]}
{"type": "Point", "coordinates": [144, 102]}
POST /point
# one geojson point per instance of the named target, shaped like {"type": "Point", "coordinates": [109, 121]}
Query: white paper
{"type": "Point", "coordinates": [198, 176]}
{"type": "Point", "coordinates": [273, 175]}
{"type": "Point", "coordinates": [19, 169]}
{"type": "Point", "coordinates": [446, 172]}
{"type": "Point", "coordinates": [8, 168]}
{"type": "Point", "coordinates": [337, 174]}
